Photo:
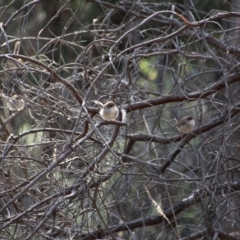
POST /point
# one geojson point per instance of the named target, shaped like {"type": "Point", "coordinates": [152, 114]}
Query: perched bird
{"type": "Point", "coordinates": [185, 124]}
{"type": "Point", "coordinates": [108, 111]}
{"type": "Point", "coordinates": [15, 103]}
{"type": "Point", "coordinates": [11, 64]}
{"type": "Point", "coordinates": [16, 65]}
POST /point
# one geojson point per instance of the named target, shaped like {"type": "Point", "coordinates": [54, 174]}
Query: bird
{"type": "Point", "coordinates": [10, 64]}
{"type": "Point", "coordinates": [15, 103]}
{"type": "Point", "coordinates": [108, 111]}
{"type": "Point", "coordinates": [186, 124]}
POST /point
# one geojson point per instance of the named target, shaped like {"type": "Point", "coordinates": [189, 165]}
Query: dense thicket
{"type": "Point", "coordinates": [66, 173]}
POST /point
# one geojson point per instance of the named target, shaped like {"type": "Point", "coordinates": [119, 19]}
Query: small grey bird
{"type": "Point", "coordinates": [15, 103]}
{"type": "Point", "coordinates": [186, 124]}
{"type": "Point", "coordinates": [108, 111]}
